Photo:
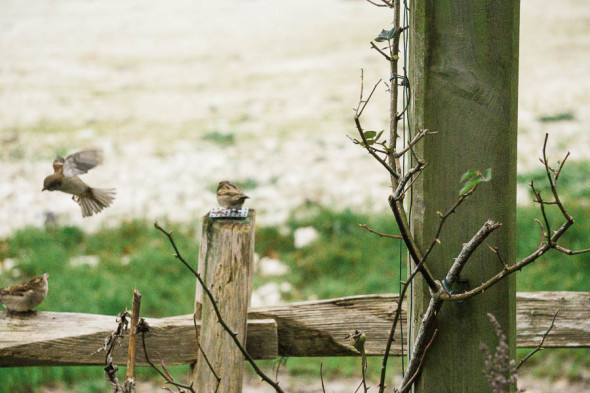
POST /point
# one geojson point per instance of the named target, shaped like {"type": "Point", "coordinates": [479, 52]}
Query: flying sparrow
{"type": "Point", "coordinates": [230, 196]}
{"type": "Point", "coordinates": [23, 297]}
{"type": "Point", "coordinates": [65, 179]}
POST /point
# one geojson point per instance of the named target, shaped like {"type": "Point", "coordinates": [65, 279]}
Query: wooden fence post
{"type": "Point", "coordinates": [464, 79]}
{"type": "Point", "coordinates": [226, 265]}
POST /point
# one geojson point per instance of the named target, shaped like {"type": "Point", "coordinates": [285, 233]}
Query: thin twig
{"type": "Point", "coordinates": [322, 378]}
{"type": "Point", "coordinates": [540, 346]}
{"type": "Point", "coordinates": [143, 328]}
{"type": "Point", "coordinates": [110, 369]}
{"type": "Point", "coordinates": [380, 51]}
{"type": "Point", "coordinates": [411, 380]}
{"type": "Point", "coordinates": [130, 374]}
{"type": "Point", "coordinates": [570, 252]}
{"type": "Point", "coordinates": [217, 377]}
{"type": "Point", "coordinates": [442, 220]}
{"type": "Point", "coordinates": [220, 319]}
{"type": "Point", "coordinates": [364, 226]}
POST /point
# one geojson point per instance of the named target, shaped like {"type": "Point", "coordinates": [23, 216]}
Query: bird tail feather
{"type": "Point", "coordinates": [95, 200]}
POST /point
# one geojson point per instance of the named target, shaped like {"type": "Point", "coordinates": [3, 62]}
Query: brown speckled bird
{"type": "Point", "coordinates": [230, 196]}
{"type": "Point", "coordinates": [65, 179]}
{"type": "Point", "coordinates": [23, 297]}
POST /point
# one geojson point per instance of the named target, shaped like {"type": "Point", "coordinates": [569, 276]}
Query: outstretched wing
{"type": "Point", "coordinates": [79, 163]}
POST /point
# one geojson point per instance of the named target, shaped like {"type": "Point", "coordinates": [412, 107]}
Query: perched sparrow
{"type": "Point", "coordinates": [23, 297]}
{"type": "Point", "coordinates": [230, 196]}
{"type": "Point", "coordinates": [65, 179]}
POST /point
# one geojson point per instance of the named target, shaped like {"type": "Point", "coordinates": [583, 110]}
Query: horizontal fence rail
{"type": "Point", "coordinates": [312, 328]}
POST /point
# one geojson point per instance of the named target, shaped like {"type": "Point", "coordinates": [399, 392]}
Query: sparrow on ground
{"type": "Point", "coordinates": [65, 179]}
{"type": "Point", "coordinates": [23, 297]}
{"type": "Point", "coordinates": [230, 196]}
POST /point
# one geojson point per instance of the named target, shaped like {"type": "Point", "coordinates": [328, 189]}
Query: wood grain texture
{"type": "Point", "coordinates": [53, 339]}
{"type": "Point", "coordinates": [314, 328]}
{"type": "Point", "coordinates": [464, 81]}
{"type": "Point", "coordinates": [226, 259]}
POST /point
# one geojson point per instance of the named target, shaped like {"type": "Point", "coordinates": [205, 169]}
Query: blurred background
{"type": "Point", "coordinates": [183, 94]}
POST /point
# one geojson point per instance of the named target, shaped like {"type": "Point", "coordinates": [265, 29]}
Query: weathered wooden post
{"type": "Point", "coordinates": [464, 79]}
{"type": "Point", "coordinates": [226, 265]}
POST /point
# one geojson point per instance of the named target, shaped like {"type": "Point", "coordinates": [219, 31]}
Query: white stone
{"type": "Point", "coordinates": [89, 260]}
{"type": "Point", "coordinates": [304, 236]}
{"type": "Point", "coordinates": [272, 267]}
{"type": "Point", "coordinates": [7, 264]}
{"type": "Point", "coordinates": [266, 295]}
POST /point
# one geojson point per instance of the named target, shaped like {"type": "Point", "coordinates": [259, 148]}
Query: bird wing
{"type": "Point", "coordinates": [79, 163]}
{"type": "Point", "coordinates": [22, 289]}
{"type": "Point", "coordinates": [16, 290]}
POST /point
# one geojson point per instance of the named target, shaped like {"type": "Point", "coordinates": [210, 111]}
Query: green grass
{"type": "Point", "coordinates": [343, 260]}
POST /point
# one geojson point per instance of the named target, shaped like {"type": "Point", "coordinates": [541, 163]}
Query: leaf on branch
{"type": "Point", "coordinates": [472, 178]}
{"type": "Point", "coordinates": [372, 137]}
{"type": "Point", "coordinates": [385, 35]}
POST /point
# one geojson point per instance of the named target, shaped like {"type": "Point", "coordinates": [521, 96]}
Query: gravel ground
{"type": "Point", "coordinates": [181, 94]}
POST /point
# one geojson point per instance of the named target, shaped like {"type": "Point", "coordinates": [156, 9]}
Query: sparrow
{"type": "Point", "coordinates": [230, 196]}
{"type": "Point", "coordinates": [65, 179]}
{"type": "Point", "coordinates": [23, 297]}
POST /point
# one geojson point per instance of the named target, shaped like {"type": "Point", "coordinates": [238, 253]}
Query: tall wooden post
{"type": "Point", "coordinates": [226, 265]}
{"type": "Point", "coordinates": [464, 78]}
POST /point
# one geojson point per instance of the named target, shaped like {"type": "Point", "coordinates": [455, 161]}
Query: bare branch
{"type": "Point", "coordinates": [413, 142]}
{"type": "Point", "coordinates": [130, 374]}
{"type": "Point", "coordinates": [110, 369]}
{"type": "Point", "coordinates": [220, 319]}
{"type": "Point", "coordinates": [389, 169]}
{"type": "Point", "coordinates": [570, 252]}
{"type": "Point", "coordinates": [468, 249]}
{"type": "Point", "coordinates": [442, 220]}
{"type": "Point", "coordinates": [143, 328]}
{"type": "Point", "coordinates": [402, 222]}
{"type": "Point", "coordinates": [540, 346]}
{"type": "Point", "coordinates": [551, 239]}
{"type": "Point", "coordinates": [322, 378]}
{"type": "Point", "coordinates": [380, 51]}
{"type": "Point", "coordinates": [364, 226]}
{"type": "Point", "coordinates": [408, 385]}
{"type": "Point", "coordinates": [215, 375]}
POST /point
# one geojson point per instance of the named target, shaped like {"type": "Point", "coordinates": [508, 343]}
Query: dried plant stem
{"type": "Point", "coordinates": [130, 375]}
{"type": "Point", "coordinates": [540, 346]}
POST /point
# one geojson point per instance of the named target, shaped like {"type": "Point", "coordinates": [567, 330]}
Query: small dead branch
{"type": "Point", "coordinates": [364, 226]}
{"type": "Point", "coordinates": [540, 346]}
{"type": "Point", "coordinates": [130, 375]}
{"type": "Point", "coordinates": [358, 339]}
{"type": "Point", "coordinates": [387, 57]}
{"type": "Point", "coordinates": [442, 220]}
{"type": "Point", "coordinates": [143, 328]}
{"type": "Point", "coordinates": [322, 377]}
{"type": "Point", "coordinates": [110, 369]}
{"type": "Point", "coordinates": [217, 377]}
{"type": "Point", "coordinates": [408, 385]}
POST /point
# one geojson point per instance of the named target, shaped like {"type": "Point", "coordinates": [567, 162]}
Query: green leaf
{"type": "Point", "coordinates": [487, 174]}
{"type": "Point", "coordinates": [370, 134]}
{"type": "Point", "coordinates": [467, 175]}
{"type": "Point", "coordinates": [470, 185]}
{"type": "Point", "coordinates": [385, 35]}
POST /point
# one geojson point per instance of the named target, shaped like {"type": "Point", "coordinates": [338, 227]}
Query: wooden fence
{"type": "Point", "coordinates": [312, 328]}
